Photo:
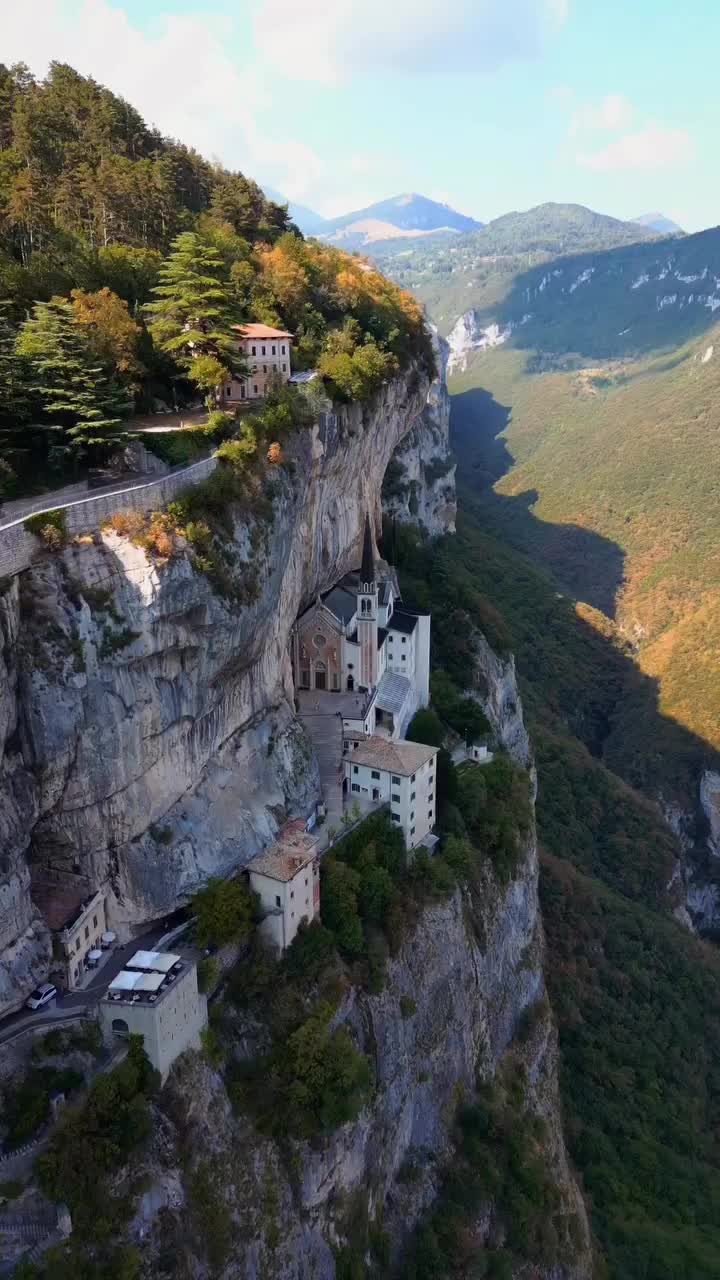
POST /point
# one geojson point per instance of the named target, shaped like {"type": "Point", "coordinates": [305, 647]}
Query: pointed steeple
{"type": "Point", "coordinates": [367, 569]}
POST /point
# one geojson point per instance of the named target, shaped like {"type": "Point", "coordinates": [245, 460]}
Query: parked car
{"type": "Point", "coordinates": [41, 996]}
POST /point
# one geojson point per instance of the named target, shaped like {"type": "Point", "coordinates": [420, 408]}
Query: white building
{"type": "Point", "coordinates": [359, 639]}
{"type": "Point", "coordinates": [267, 354]}
{"type": "Point", "coordinates": [286, 878]}
{"type": "Point", "coordinates": [402, 774]}
{"type": "Point", "coordinates": [156, 996]}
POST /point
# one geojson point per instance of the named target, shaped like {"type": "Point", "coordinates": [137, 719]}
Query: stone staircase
{"type": "Point", "coordinates": [326, 733]}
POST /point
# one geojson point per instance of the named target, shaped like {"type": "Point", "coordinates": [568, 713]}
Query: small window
{"type": "Point", "coordinates": [412, 816]}
{"type": "Point", "coordinates": [395, 780]}
{"type": "Point", "coordinates": [412, 779]}
{"type": "Point", "coordinates": [263, 351]}
{"type": "Point", "coordinates": [431, 796]}
{"type": "Point", "coordinates": [254, 351]}
{"type": "Point", "coordinates": [346, 744]}
{"type": "Point", "coordinates": [351, 666]}
{"type": "Point", "coordinates": [306, 880]}
{"type": "Point", "coordinates": [273, 351]}
{"type": "Point", "coordinates": [356, 786]}
{"type": "Point", "coordinates": [355, 769]}
{"type": "Point", "coordinates": [292, 893]}
{"type": "Point", "coordinates": [87, 930]}
{"type": "Point", "coordinates": [94, 922]}
{"type": "Point", "coordinates": [283, 351]}
{"type": "Point", "coordinates": [77, 944]}
{"type": "Point", "coordinates": [374, 773]}
{"type": "Point", "coordinates": [255, 388]}
{"type": "Point", "coordinates": [412, 795]}
{"type": "Point", "coordinates": [412, 831]}
{"type": "Point", "coordinates": [395, 797]}
{"type": "Point", "coordinates": [430, 814]}
{"type": "Point", "coordinates": [395, 817]}
{"type": "Point", "coordinates": [284, 367]}
{"type": "Point", "coordinates": [278, 903]}
{"type": "Point", "coordinates": [404, 639]}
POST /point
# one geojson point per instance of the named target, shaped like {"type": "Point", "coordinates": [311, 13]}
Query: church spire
{"type": "Point", "coordinates": [367, 570]}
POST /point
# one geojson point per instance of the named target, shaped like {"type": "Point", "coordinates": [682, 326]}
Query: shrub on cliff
{"type": "Point", "coordinates": [224, 911]}
{"type": "Point", "coordinates": [323, 1080]}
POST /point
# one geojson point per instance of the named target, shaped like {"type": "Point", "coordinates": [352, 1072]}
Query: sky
{"type": "Point", "coordinates": [490, 105]}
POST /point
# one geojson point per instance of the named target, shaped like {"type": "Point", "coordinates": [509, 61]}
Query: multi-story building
{"type": "Point", "coordinates": [286, 878]}
{"type": "Point", "coordinates": [358, 638]}
{"type": "Point", "coordinates": [77, 919]}
{"type": "Point", "coordinates": [156, 996]}
{"type": "Point", "coordinates": [401, 774]}
{"type": "Point", "coordinates": [267, 354]}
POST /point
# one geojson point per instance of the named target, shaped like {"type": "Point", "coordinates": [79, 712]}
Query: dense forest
{"type": "Point", "coordinates": [125, 260]}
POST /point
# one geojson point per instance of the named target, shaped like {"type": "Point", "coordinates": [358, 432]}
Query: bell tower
{"type": "Point", "coordinates": [367, 612]}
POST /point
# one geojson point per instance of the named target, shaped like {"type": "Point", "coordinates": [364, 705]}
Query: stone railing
{"type": "Point", "coordinates": [85, 515]}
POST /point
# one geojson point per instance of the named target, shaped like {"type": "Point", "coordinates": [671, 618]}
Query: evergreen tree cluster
{"type": "Point", "coordinates": [125, 261]}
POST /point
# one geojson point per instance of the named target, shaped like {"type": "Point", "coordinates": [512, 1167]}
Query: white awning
{"type": "Point", "coordinates": [108, 937]}
{"type": "Point", "coordinates": [149, 982]}
{"type": "Point", "coordinates": [158, 961]}
{"type": "Point", "coordinates": [123, 981]}
{"type": "Point", "coordinates": [94, 954]}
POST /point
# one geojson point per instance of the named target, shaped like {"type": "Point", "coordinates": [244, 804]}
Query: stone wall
{"type": "Point", "coordinates": [85, 515]}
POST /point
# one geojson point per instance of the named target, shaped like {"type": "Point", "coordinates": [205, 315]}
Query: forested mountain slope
{"type": "Point", "coordinates": [478, 270]}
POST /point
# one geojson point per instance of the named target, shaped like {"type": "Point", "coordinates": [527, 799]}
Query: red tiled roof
{"type": "Point", "coordinates": [260, 331]}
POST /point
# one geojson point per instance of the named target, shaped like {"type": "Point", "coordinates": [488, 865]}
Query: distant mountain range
{"type": "Point", "coordinates": [547, 228]}
{"type": "Point", "coordinates": [401, 217]}
{"type": "Point", "coordinates": [658, 222]}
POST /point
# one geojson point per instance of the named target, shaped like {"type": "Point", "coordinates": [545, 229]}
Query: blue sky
{"type": "Point", "coordinates": [489, 104]}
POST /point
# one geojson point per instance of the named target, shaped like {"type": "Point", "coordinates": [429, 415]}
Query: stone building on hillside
{"type": "Point", "coordinates": [286, 878]}
{"type": "Point", "coordinates": [267, 353]}
{"type": "Point", "coordinates": [156, 996]}
{"type": "Point", "coordinates": [76, 916]}
{"type": "Point", "coordinates": [358, 638]}
{"type": "Point", "coordinates": [401, 774]}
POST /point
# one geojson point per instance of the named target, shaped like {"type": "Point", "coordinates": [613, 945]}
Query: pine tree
{"type": "Point", "coordinates": [192, 317]}
{"type": "Point", "coordinates": [73, 391]}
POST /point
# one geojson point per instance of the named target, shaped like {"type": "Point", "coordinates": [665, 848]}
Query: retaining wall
{"type": "Point", "coordinates": [85, 515]}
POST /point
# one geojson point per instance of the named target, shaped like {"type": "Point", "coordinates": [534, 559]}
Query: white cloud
{"type": "Point", "coordinates": [183, 78]}
{"type": "Point", "coordinates": [328, 42]}
{"type": "Point", "coordinates": [611, 112]}
{"type": "Point", "coordinates": [646, 149]}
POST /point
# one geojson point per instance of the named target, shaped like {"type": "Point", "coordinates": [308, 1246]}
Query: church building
{"type": "Point", "coordinates": [358, 638]}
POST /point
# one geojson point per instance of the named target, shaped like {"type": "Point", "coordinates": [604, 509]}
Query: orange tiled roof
{"type": "Point", "coordinates": [293, 850]}
{"type": "Point", "coordinates": [260, 331]}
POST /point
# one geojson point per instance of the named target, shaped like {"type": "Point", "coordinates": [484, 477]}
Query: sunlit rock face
{"type": "Point", "coordinates": [147, 726]}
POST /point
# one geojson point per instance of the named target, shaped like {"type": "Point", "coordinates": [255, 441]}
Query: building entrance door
{"type": "Point", "coordinates": [320, 680]}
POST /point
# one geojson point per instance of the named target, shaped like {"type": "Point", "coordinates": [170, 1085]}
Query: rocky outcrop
{"type": "Point", "coordinates": [149, 729]}
{"type": "Point", "coordinates": [495, 686]}
{"type": "Point", "coordinates": [471, 333]}
{"type": "Point", "coordinates": [419, 485]}
{"type": "Point", "coordinates": [470, 973]}
{"type": "Point", "coordinates": [710, 805]}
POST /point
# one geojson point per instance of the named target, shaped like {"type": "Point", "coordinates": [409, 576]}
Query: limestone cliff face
{"type": "Point", "coordinates": [24, 938]}
{"type": "Point", "coordinates": [148, 727]}
{"type": "Point", "coordinates": [472, 968]}
{"type": "Point", "coordinates": [419, 485]}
